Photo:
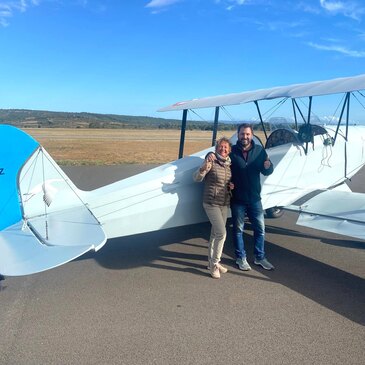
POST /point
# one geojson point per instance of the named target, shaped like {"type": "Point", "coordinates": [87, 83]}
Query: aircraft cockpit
{"type": "Point", "coordinates": [282, 136]}
{"type": "Point", "coordinates": [285, 135]}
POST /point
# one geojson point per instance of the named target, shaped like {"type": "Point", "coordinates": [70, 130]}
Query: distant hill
{"type": "Point", "coordinates": [24, 118]}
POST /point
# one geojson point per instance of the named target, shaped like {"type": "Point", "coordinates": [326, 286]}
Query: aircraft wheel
{"type": "Point", "coordinates": [274, 212]}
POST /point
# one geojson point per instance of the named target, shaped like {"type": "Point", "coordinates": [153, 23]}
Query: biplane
{"type": "Point", "coordinates": [46, 221]}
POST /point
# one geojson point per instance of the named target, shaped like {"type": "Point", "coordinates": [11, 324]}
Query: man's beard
{"type": "Point", "coordinates": [244, 143]}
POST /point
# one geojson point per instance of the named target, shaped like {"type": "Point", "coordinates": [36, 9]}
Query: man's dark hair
{"type": "Point", "coordinates": [244, 125]}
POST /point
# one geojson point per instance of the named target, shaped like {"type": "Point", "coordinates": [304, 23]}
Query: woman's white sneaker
{"type": "Point", "coordinates": [214, 272]}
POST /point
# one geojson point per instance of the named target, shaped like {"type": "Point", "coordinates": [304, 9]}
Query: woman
{"type": "Point", "coordinates": [216, 198]}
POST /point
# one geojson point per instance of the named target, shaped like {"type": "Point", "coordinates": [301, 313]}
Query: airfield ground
{"type": "Point", "coordinates": [76, 147]}
{"type": "Point", "coordinates": [119, 146]}
{"type": "Point", "coordinates": [148, 299]}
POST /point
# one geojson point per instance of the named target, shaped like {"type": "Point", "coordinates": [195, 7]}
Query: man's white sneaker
{"type": "Point", "coordinates": [264, 263]}
{"type": "Point", "coordinates": [243, 264]}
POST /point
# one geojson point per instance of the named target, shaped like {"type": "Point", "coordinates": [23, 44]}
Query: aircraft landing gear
{"type": "Point", "coordinates": [274, 212]}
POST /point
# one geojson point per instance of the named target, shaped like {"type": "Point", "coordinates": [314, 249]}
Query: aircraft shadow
{"type": "Point", "coordinates": [333, 288]}
{"type": "Point", "coordinates": [184, 249]}
{"type": "Point", "coordinates": [144, 249]}
{"type": "Point", "coordinates": [337, 290]}
{"type": "Point", "coordinates": [345, 242]}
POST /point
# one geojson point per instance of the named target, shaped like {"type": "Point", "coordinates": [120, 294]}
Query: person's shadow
{"type": "Point", "coordinates": [188, 194]}
{"type": "Point", "coordinates": [183, 201]}
{"type": "Point", "coordinates": [335, 289]}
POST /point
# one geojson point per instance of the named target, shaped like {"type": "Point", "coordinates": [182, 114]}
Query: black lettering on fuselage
{"type": "Point", "coordinates": [2, 171]}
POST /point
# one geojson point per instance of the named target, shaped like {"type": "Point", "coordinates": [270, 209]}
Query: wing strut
{"type": "Point", "coordinates": [215, 126]}
{"type": "Point", "coordinates": [296, 104]}
{"type": "Point", "coordinates": [183, 130]}
{"type": "Point", "coordinates": [262, 122]}
{"type": "Point", "coordinates": [305, 133]}
{"type": "Point", "coordinates": [182, 134]}
{"type": "Point", "coordinates": [309, 123]}
{"type": "Point", "coordinates": [295, 114]}
{"type": "Point", "coordinates": [346, 102]}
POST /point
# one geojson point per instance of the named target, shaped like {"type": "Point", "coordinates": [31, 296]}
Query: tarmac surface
{"type": "Point", "coordinates": [148, 299]}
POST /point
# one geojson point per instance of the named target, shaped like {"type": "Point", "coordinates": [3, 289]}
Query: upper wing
{"type": "Point", "coordinates": [334, 86]}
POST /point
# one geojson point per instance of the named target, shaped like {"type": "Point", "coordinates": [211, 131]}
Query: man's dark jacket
{"type": "Point", "coordinates": [246, 174]}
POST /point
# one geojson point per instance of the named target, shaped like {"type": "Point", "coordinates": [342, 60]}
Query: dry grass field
{"type": "Point", "coordinates": [119, 146]}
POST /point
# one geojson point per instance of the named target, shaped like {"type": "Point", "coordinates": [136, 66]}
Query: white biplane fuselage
{"type": "Point", "coordinates": [45, 220]}
{"type": "Point", "coordinates": [167, 196]}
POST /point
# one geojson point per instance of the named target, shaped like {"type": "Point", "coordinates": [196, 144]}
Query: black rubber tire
{"type": "Point", "coordinates": [275, 212]}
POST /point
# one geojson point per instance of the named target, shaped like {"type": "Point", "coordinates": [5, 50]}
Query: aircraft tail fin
{"type": "Point", "coordinates": [43, 221]}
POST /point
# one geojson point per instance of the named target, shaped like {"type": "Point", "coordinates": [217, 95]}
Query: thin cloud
{"type": "Point", "coordinates": [308, 8]}
{"type": "Point", "coordinates": [293, 28]}
{"type": "Point", "coordinates": [161, 3]}
{"type": "Point", "coordinates": [339, 49]}
{"type": "Point", "coordinates": [5, 14]}
{"type": "Point", "coordinates": [238, 2]}
{"type": "Point", "coordinates": [275, 26]}
{"type": "Point", "coordinates": [9, 8]}
{"type": "Point", "coordinates": [332, 6]}
{"type": "Point", "coordinates": [350, 9]}
{"type": "Point", "coordinates": [234, 3]}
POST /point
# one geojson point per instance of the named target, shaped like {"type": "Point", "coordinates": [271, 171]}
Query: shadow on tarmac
{"type": "Point", "coordinates": [333, 288]}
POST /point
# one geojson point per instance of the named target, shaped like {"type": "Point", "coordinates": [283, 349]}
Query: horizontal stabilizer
{"type": "Point", "coordinates": [23, 254]}
{"type": "Point", "coordinates": [340, 212]}
{"type": "Point", "coordinates": [75, 226]}
{"type": "Point", "coordinates": [39, 244]}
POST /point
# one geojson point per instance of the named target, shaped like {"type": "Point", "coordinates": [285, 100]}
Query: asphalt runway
{"type": "Point", "coordinates": [148, 299]}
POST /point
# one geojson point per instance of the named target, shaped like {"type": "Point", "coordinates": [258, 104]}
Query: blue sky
{"type": "Point", "coordinates": [133, 57]}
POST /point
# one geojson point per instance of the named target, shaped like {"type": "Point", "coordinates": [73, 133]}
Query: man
{"type": "Point", "coordinates": [249, 160]}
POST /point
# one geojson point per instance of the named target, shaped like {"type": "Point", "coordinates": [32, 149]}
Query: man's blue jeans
{"type": "Point", "coordinates": [255, 214]}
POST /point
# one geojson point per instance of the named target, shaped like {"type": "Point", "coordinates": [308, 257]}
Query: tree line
{"type": "Point", "coordinates": [24, 118]}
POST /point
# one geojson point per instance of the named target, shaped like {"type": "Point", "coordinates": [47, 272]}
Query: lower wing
{"type": "Point", "coordinates": [341, 212]}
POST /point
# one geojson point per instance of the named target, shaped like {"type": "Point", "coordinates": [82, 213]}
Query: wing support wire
{"type": "Point", "coordinates": [44, 195]}
{"type": "Point", "coordinates": [345, 103]}
{"type": "Point", "coordinates": [216, 123]}
{"type": "Point", "coordinates": [75, 218]}
{"type": "Point", "coordinates": [305, 133]}
{"type": "Point", "coordinates": [183, 130]}
{"type": "Point", "coordinates": [260, 116]}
